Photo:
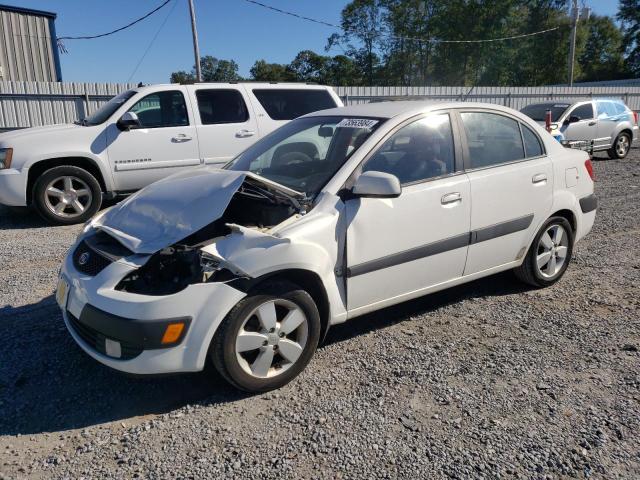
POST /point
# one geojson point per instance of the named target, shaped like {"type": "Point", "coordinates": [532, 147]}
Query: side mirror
{"type": "Point", "coordinates": [128, 121]}
{"type": "Point", "coordinates": [377, 185]}
{"type": "Point", "coordinates": [572, 119]}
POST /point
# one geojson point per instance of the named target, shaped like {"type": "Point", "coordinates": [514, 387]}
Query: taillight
{"type": "Point", "coordinates": [635, 118]}
{"type": "Point", "coordinates": [589, 166]}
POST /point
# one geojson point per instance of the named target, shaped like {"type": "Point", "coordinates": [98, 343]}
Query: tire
{"type": "Point", "coordinates": [245, 369]}
{"type": "Point", "coordinates": [62, 203]}
{"type": "Point", "coordinates": [621, 146]}
{"type": "Point", "coordinates": [547, 273]}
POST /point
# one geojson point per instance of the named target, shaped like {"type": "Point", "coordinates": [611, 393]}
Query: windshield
{"type": "Point", "coordinates": [305, 153]}
{"type": "Point", "coordinates": [537, 111]}
{"type": "Point", "coordinates": [105, 111]}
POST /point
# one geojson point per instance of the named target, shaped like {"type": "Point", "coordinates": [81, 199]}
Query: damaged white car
{"type": "Point", "coordinates": [334, 215]}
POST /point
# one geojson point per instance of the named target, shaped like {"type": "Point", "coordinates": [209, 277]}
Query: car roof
{"type": "Point", "coordinates": [409, 108]}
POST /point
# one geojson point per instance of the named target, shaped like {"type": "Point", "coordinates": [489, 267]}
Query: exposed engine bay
{"type": "Point", "coordinates": [175, 267]}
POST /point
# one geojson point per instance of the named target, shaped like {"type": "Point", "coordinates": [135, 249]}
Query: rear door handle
{"type": "Point", "coordinates": [451, 198]}
{"type": "Point", "coordinates": [591, 124]}
{"type": "Point", "coordinates": [539, 178]}
{"type": "Point", "coordinates": [181, 137]}
{"type": "Point", "coordinates": [245, 133]}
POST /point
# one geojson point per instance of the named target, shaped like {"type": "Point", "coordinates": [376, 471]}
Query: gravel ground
{"type": "Point", "coordinates": [486, 380]}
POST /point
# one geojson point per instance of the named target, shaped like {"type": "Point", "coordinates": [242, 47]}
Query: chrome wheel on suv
{"type": "Point", "coordinates": [66, 195]}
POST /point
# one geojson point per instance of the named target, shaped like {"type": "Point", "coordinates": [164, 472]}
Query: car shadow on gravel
{"type": "Point", "coordinates": [48, 384]}
{"type": "Point", "coordinates": [19, 218]}
{"type": "Point", "coordinates": [496, 285]}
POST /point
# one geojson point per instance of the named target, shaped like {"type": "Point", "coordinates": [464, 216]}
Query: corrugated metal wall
{"type": "Point", "coordinates": [26, 49]}
{"type": "Point", "coordinates": [514, 97]}
{"type": "Point", "coordinates": [30, 104]}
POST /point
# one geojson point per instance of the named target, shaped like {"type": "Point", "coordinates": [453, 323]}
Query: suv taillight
{"type": "Point", "coordinates": [589, 166]}
{"type": "Point", "coordinates": [635, 117]}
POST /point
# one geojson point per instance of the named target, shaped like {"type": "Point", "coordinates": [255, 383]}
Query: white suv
{"type": "Point", "coordinates": [336, 214]}
{"type": "Point", "coordinates": [141, 136]}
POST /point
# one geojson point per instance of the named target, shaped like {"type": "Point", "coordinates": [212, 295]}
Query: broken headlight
{"type": "Point", "coordinates": [173, 269]}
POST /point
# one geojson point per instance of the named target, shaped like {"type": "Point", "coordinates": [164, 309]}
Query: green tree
{"type": "Point", "coordinates": [270, 72]}
{"type": "Point", "coordinates": [363, 22]}
{"type": "Point", "coordinates": [309, 66]}
{"type": "Point", "coordinates": [213, 70]}
{"type": "Point", "coordinates": [602, 56]}
{"type": "Point", "coordinates": [629, 15]}
{"type": "Point", "coordinates": [182, 77]}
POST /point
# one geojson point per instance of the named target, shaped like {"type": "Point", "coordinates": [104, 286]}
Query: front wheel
{"type": "Point", "coordinates": [268, 338]}
{"type": "Point", "coordinates": [549, 254]}
{"type": "Point", "coordinates": [620, 147]}
{"type": "Point", "coordinates": [67, 195]}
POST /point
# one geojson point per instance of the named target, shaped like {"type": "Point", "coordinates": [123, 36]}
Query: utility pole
{"type": "Point", "coordinates": [572, 45]}
{"type": "Point", "coordinates": [196, 48]}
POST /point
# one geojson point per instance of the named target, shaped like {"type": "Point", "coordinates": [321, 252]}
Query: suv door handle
{"type": "Point", "coordinates": [451, 198]}
{"type": "Point", "coordinates": [181, 137]}
{"type": "Point", "coordinates": [245, 133]}
{"type": "Point", "coordinates": [592, 123]}
{"type": "Point", "coordinates": [539, 178]}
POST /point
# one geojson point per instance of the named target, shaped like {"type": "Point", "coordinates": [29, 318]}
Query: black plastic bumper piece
{"type": "Point", "coordinates": [142, 334]}
{"type": "Point", "coordinates": [589, 204]}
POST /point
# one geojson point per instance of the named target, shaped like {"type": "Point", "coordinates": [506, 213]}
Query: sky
{"type": "Point", "coordinates": [229, 29]}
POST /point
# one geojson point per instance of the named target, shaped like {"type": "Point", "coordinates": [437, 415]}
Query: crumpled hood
{"type": "Point", "coordinates": [171, 209]}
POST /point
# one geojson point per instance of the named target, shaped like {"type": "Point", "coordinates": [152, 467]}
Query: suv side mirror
{"type": "Point", "coordinates": [377, 185]}
{"type": "Point", "coordinates": [128, 121]}
{"type": "Point", "coordinates": [572, 119]}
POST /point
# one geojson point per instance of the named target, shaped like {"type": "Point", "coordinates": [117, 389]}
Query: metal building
{"type": "Point", "coordinates": [28, 50]}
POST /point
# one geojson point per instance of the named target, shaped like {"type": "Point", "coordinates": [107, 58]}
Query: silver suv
{"type": "Point", "coordinates": [609, 123]}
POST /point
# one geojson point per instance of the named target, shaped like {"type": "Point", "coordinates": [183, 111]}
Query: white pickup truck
{"type": "Point", "coordinates": [140, 136]}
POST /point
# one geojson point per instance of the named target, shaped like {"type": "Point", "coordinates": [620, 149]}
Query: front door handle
{"type": "Point", "coordinates": [181, 137]}
{"type": "Point", "coordinates": [539, 178]}
{"type": "Point", "coordinates": [451, 198]}
{"type": "Point", "coordinates": [245, 133]}
{"type": "Point", "coordinates": [591, 124]}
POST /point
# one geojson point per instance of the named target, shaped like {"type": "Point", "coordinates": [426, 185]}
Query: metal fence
{"type": "Point", "coordinates": [30, 104]}
{"type": "Point", "coordinates": [514, 97]}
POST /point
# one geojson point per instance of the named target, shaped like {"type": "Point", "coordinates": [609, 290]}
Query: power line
{"type": "Point", "coordinates": [152, 41]}
{"type": "Point", "coordinates": [395, 37]}
{"type": "Point", "coordinates": [90, 37]}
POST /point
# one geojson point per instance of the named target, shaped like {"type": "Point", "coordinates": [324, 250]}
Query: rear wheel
{"type": "Point", "coordinates": [620, 147]}
{"type": "Point", "coordinates": [268, 338]}
{"type": "Point", "coordinates": [549, 254]}
{"type": "Point", "coordinates": [67, 195]}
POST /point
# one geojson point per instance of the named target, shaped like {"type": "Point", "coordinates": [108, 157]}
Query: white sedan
{"type": "Point", "coordinates": [336, 214]}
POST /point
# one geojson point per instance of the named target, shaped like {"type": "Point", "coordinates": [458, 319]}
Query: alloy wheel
{"type": "Point", "coordinates": [68, 196]}
{"type": "Point", "coordinates": [553, 248]}
{"type": "Point", "coordinates": [272, 338]}
{"type": "Point", "coordinates": [622, 145]}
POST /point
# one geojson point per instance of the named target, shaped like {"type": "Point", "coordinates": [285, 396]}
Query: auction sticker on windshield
{"type": "Point", "coordinates": [357, 123]}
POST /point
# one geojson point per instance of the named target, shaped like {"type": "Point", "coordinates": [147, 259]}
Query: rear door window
{"type": "Point", "coordinates": [283, 104]}
{"type": "Point", "coordinates": [219, 106]}
{"type": "Point", "coordinates": [493, 139]}
{"type": "Point", "coordinates": [532, 145]}
{"type": "Point", "coordinates": [605, 109]}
